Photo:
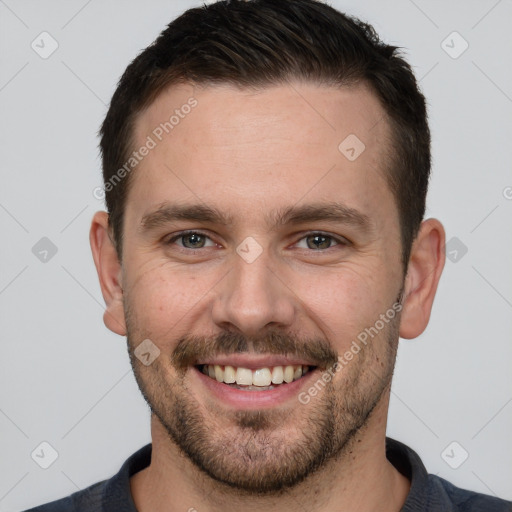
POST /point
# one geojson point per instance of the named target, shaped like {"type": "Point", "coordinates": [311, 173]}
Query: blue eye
{"type": "Point", "coordinates": [319, 241]}
{"type": "Point", "coordinates": [191, 240]}
{"type": "Point", "coordinates": [195, 240]}
{"type": "Point", "coordinates": [316, 241]}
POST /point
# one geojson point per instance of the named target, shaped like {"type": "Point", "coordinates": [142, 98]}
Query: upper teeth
{"type": "Point", "coordinates": [258, 377]}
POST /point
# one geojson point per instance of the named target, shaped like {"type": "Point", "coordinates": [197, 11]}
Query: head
{"type": "Point", "coordinates": [293, 146]}
{"type": "Point", "coordinates": [261, 43]}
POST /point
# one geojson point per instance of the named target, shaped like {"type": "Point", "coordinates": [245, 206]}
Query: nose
{"type": "Point", "coordinates": [253, 297]}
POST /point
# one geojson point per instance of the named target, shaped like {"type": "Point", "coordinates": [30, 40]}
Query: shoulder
{"type": "Point", "coordinates": [86, 500]}
{"type": "Point", "coordinates": [435, 494]}
{"type": "Point", "coordinates": [112, 494]}
{"type": "Point", "coordinates": [463, 500]}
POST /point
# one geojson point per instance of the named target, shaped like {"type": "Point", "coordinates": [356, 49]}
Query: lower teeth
{"type": "Point", "coordinates": [250, 388]}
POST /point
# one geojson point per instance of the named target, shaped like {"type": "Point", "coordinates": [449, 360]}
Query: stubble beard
{"type": "Point", "coordinates": [267, 452]}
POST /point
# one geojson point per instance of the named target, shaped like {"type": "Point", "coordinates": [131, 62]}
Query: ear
{"type": "Point", "coordinates": [426, 264]}
{"type": "Point", "coordinates": [109, 273]}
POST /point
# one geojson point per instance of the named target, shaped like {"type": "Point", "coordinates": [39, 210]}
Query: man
{"type": "Point", "coordinates": [266, 165]}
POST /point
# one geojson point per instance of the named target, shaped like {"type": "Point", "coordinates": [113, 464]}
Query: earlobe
{"type": "Point", "coordinates": [108, 268]}
{"type": "Point", "coordinates": [426, 264]}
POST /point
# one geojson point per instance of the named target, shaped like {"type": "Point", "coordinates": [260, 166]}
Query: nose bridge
{"type": "Point", "coordinates": [252, 296]}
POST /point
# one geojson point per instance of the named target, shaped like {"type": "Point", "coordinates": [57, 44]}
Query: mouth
{"type": "Point", "coordinates": [259, 379]}
{"type": "Point", "coordinates": [258, 386]}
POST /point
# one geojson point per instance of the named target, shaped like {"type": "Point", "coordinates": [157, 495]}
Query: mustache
{"type": "Point", "coordinates": [314, 350]}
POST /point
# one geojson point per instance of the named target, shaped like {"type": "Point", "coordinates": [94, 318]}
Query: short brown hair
{"type": "Point", "coordinates": [257, 43]}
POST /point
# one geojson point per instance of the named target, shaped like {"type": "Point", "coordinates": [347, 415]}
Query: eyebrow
{"type": "Point", "coordinates": [292, 215]}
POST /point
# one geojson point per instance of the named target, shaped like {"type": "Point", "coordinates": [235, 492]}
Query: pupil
{"type": "Point", "coordinates": [194, 238]}
{"type": "Point", "coordinates": [319, 240]}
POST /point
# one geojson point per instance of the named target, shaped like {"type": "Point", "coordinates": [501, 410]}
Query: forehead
{"type": "Point", "coordinates": [245, 149]}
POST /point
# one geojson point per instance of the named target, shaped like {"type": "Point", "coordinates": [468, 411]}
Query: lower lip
{"type": "Point", "coordinates": [255, 399]}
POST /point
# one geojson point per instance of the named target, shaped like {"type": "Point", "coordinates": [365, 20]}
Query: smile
{"type": "Point", "coordinates": [258, 379]}
{"type": "Point", "coordinates": [259, 387]}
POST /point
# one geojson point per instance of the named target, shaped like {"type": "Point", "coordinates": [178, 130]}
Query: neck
{"type": "Point", "coordinates": [361, 478]}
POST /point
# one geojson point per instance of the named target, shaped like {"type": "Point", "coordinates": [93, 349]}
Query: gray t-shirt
{"type": "Point", "coordinates": [428, 493]}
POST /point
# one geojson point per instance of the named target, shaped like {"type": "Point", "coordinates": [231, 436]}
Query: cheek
{"type": "Point", "coordinates": [343, 302]}
{"type": "Point", "coordinates": [163, 298]}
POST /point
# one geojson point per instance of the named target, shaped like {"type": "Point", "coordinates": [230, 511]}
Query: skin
{"type": "Point", "coordinates": [248, 154]}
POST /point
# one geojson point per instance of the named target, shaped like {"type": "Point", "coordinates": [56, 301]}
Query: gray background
{"type": "Point", "coordinates": [66, 379]}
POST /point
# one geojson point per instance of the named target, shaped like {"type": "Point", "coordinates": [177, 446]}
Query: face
{"type": "Point", "coordinates": [254, 242]}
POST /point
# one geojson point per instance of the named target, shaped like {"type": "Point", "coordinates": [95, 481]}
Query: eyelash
{"type": "Point", "coordinates": [182, 234]}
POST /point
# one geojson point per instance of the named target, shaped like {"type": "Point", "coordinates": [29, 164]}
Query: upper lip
{"type": "Point", "coordinates": [253, 362]}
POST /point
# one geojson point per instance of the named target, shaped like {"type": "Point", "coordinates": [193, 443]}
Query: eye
{"type": "Point", "coordinates": [321, 241]}
{"type": "Point", "coordinates": [315, 241]}
{"type": "Point", "coordinates": [191, 240]}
